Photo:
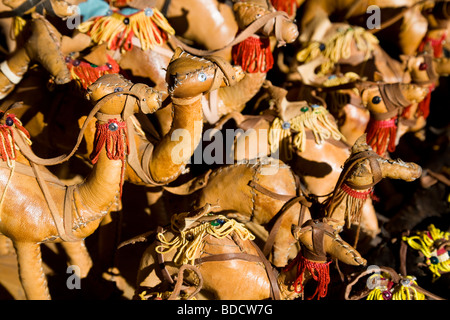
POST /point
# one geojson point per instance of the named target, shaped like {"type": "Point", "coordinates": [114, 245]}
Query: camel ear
{"type": "Point", "coordinates": [295, 231]}
{"type": "Point", "coordinates": [176, 54]}
{"type": "Point", "coordinates": [365, 97]}
{"type": "Point", "coordinates": [360, 144]}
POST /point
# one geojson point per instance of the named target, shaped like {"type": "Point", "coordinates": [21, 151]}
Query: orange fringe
{"type": "Point", "coordinates": [319, 271]}
{"type": "Point", "coordinates": [116, 142]}
{"type": "Point", "coordinates": [86, 74]}
{"type": "Point", "coordinates": [381, 135]}
{"type": "Point", "coordinates": [436, 44]}
{"type": "Point", "coordinates": [253, 55]}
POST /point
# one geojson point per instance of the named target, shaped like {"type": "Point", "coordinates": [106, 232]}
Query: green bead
{"type": "Point", "coordinates": [304, 109]}
{"type": "Point", "coordinates": [215, 223]}
{"type": "Point", "coordinates": [434, 260]}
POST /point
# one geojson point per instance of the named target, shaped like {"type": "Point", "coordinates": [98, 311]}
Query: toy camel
{"type": "Point", "coordinates": [213, 245]}
{"type": "Point", "coordinates": [264, 195]}
{"type": "Point", "coordinates": [52, 211]}
{"type": "Point", "coordinates": [150, 162]}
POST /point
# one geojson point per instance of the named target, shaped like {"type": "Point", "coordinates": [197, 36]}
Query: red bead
{"type": "Point", "coordinates": [387, 295]}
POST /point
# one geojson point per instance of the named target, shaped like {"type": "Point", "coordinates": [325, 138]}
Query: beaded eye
{"type": "Point", "coordinates": [118, 89]}
{"type": "Point", "coordinates": [9, 121]}
{"type": "Point", "coordinates": [201, 77]}
{"type": "Point", "coordinates": [286, 125]}
{"type": "Point", "coordinates": [434, 260]}
{"type": "Point", "coordinates": [322, 47]}
{"type": "Point", "coordinates": [376, 100]}
{"type": "Point", "coordinates": [113, 126]}
{"type": "Point", "coordinates": [423, 66]}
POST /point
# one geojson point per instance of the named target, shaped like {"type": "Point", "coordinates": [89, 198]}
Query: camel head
{"type": "Point", "coordinates": [247, 12]}
{"type": "Point", "coordinates": [422, 67]}
{"type": "Point", "coordinates": [115, 85]}
{"type": "Point", "coordinates": [319, 240]}
{"type": "Point", "coordinates": [384, 97]}
{"type": "Point", "coordinates": [189, 76]}
{"type": "Point", "coordinates": [363, 173]}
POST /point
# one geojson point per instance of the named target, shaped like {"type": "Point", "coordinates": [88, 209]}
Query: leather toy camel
{"type": "Point", "coordinates": [214, 246]}
{"type": "Point", "coordinates": [251, 50]}
{"type": "Point", "coordinates": [52, 211]}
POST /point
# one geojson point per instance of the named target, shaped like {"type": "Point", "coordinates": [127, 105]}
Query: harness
{"type": "Point", "coordinates": [21, 10]}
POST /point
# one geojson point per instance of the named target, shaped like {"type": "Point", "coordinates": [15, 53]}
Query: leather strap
{"type": "Point", "coordinates": [397, 17]}
{"type": "Point", "coordinates": [66, 235]}
{"type": "Point", "coordinates": [278, 219]}
{"type": "Point", "coordinates": [348, 166]}
{"type": "Point", "coordinates": [275, 291]}
{"type": "Point", "coordinates": [318, 230]}
{"type": "Point", "coordinates": [160, 257]}
{"type": "Point", "coordinates": [22, 9]}
{"type": "Point", "coordinates": [32, 157]}
{"type": "Point", "coordinates": [247, 32]}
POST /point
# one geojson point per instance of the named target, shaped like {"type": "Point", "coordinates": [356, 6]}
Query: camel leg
{"type": "Point", "coordinates": [109, 237]}
{"type": "Point", "coordinates": [78, 256]}
{"type": "Point", "coordinates": [31, 272]}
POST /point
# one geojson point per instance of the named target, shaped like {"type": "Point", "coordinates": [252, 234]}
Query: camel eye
{"type": "Point", "coordinates": [376, 100]}
{"type": "Point", "coordinates": [201, 76]}
{"type": "Point", "coordinates": [258, 15]}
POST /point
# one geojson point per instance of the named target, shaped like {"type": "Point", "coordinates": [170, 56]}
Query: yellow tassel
{"type": "Point", "coordinates": [378, 282]}
{"type": "Point", "coordinates": [424, 241]}
{"type": "Point", "coordinates": [375, 294]}
{"type": "Point", "coordinates": [340, 80]}
{"type": "Point", "coordinates": [18, 25]}
{"type": "Point", "coordinates": [315, 119]}
{"type": "Point", "coordinates": [407, 292]}
{"type": "Point", "coordinates": [339, 46]}
{"type": "Point", "coordinates": [149, 29]}
{"type": "Point", "coordinates": [188, 242]}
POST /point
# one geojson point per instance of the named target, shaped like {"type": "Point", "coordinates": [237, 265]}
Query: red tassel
{"type": "Point", "coordinates": [6, 151]}
{"type": "Point", "coordinates": [288, 6]}
{"type": "Point", "coordinates": [253, 55]}
{"type": "Point", "coordinates": [318, 270]}
{"type": "Point", "coordinates": [423, 108]}
{"type": "Point", "coordinates": [381, 135]}
{"type": "Point", "coordinates": [114, 136]}
{"type": "Point", "coordinates": [7, 145]}
{"type": "Point", "coordinates": [86, 73]}
{"type": "Point", "coordinates": [355, 193]}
